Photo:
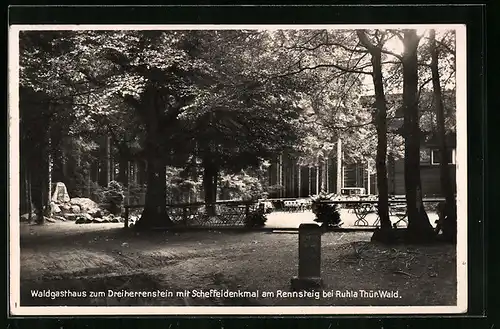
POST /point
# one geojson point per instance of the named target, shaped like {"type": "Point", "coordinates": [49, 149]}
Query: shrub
{"type": "Point", "coordinates": [97, 192]}
{"type": "Point", "coordinates": [114, 197]}
{"type": "Point", "coordinates": [256, 218]}
{"type": "Point", "coordinates": [241, 186]}
{"type": "Point", "coordinates": [326, 213]}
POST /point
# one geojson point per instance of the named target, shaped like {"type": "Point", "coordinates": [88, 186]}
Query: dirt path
{"type": "Point", "coordinates": [61, 256]}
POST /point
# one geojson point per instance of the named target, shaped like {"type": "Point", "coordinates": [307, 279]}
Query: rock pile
{"type": "Point", "coordinates": [79, 210]}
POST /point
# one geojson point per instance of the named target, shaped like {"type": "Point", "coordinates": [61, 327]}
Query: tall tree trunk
{"type": "Point", "coordinates": [95, 171]}
{"type": "Point", "coordinates": [135, 176]}
{"type": "Point", "coordinates": [155, 211]}
{"type": "Point", "coordinates": [327, 174]}
{"type": "Point", "coordinates": [323, 176]}
{"type": "Point", "coordinates": [449, 224]}
{"type": "Point", "coordinates": [109, 163]}
{"type": "Point", "coordinates": [40, 170]}
{"type": "Point", "coordinates": [57, 155]}
{"type": "Point", "coordinates": [29, 199]}
{"type": "Point", "coordinates": [381, 126]}
{"type": "Point", "coordinates": [123, 170]}
{"type": "Point", "coordinates": [380, 159]}
{"type": "Point", "coordinates": [317, 179]}
{"type": "Point", "coordinates": [299, 180]}
{"type": "Point", "coordinates": [368, 178]}
{"type": "Point", "coordinates": [281, 182]}
{"type": "Point", "coordinates": [339, 165]}
{"type": "Point", "coordinates": [309, 190]}
{"type": "Point", "coordinates": [209, 185]}
{"type": "Point", "coordinates": [48, 188]}
{"type": "Point", "coordinates": [38, 196]}
{"type": "Point", "coordinates": [356, 174]}
{"type": "Point", "coordinates": [142, 172]}
{"type": "Point", "coordinates": [419, 227]}
{"type": "Point", "coordinates": [215, 184]}
{"type": "Point", "coordinates": [103, 162]}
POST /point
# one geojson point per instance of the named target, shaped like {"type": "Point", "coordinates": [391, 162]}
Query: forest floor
{"type": "Point", "coordinates": [101, 257]}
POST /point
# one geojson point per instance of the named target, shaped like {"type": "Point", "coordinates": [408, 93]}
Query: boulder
{"type": "Point", "coordinates": [111, 219]}
{"type": "Point", "coordinates": [49, 219]}
{"type": "Point", "coordinates": [26, 217]}
{"type": "Point", "coordinates": [85, 204]}
{"type": "Point", "coordinates": [60, 194]}
{"type": "Point", "coordinates": [96, 214]}
{"type": "Point", "coordinates": [70, 216]}
{"type": "Point", "coordinates": [61, 218]}
{"type": "Point", "coordinates": [98, 220]}
{"type": "Point", "coordinates": [54, 208]}
{"type": "Point", "coordinates": [66, 207]}
{"type": "Point", "coordinates": [83, 219]}
{"type": "Point", "coordinates": [75, 209]}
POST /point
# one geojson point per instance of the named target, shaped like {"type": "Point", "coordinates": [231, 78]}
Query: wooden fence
{"type": "Point", "coordinates": [225, 213]}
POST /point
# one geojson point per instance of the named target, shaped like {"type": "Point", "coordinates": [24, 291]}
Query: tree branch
{"type": "Point", "coordinates": [385, 51]}
{"type": "Point", "coordinates": [422, 86]}
{"type": "Point", "coordinates": [363, 38]}
{"type": "Point", "coordinates": [442, 44]}
{"type": "Point", "coordinates": [341, 68]}
{"type": "Point", "coordinates": [364, 124]}
{"type": "Point", "coordinates": [327, 44]}
{"type": "Point", "coordinates": [397, 35]}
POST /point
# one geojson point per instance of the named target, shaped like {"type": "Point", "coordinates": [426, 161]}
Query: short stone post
{"type": "Point", "coordinates": [309, 258]}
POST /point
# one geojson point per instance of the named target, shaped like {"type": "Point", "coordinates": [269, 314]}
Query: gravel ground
{"type": "Point", "coordinates": [99, 257]}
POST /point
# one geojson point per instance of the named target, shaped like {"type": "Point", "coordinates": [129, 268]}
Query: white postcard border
{"type": "Point", "coordinates": [461, 181]}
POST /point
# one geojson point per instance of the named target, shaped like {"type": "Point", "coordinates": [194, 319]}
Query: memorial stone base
{"type": "Point", "coordinates": [309, 259]}
{"type": "Point", "coordinates": [299, 284]}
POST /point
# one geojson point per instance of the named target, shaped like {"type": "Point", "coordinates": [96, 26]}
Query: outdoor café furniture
{"type": "Point", "coordinates": [362, 209]}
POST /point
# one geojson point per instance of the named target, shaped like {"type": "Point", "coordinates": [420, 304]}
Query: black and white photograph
{"type": "Point", "coordinates": [227, 169]}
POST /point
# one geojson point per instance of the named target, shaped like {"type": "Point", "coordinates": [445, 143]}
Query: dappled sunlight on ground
{"type": "Point", "coordinates": [65, 256]}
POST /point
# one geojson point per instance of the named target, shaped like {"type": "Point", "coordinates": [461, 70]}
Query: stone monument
{"type": "Point", "coordinates": [60, 194]}
{"type": "Point", "coordinates": [309, 258]}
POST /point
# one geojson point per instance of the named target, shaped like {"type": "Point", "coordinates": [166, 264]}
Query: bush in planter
{"type": "Point", "coordinates": [326, 213]}
{"type": "Point", "coordinates": [256, 218]}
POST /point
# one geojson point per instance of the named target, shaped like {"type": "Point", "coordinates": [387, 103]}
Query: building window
{"type": "Point", "coordinates": [436, 157]}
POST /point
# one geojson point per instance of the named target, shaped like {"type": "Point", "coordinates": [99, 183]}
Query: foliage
{"type": "Point", "coordinates": [326, 213]}
{"type": "Point", "coordinates": [274, 189]}
{"type": "Point", "coordinates": [256, 218]}
{"type": "Point", "coordinates": [97, 192]}
{"type": "Point", "coordinates": [239, 119]}
{"type": "Point", "coordinates": [242, 186]}
{"type": "Point", "coordinates": [231, 98]}
{"type": "Point", "coordinates": [113, 196]}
